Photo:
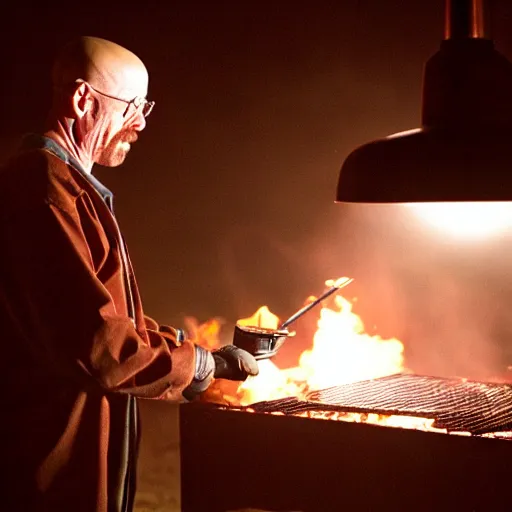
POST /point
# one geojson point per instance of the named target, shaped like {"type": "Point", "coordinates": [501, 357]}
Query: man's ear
{"type": "Point", "coordinates": [82, 101]}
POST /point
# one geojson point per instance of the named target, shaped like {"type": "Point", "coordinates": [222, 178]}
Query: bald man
{"type": "Point", "coordinates": [77, 348]}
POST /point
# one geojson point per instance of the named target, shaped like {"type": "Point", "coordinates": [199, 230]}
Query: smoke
{"type": "Point", "coordinates": [444, 299]}
{"type": "Point", "coordinates": [452, 329]}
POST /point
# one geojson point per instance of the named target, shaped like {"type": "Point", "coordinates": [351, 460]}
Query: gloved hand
{"type": "Point", "coordinates": [233, 363]}
{"type": "Point", "coordinates": [228, 362]}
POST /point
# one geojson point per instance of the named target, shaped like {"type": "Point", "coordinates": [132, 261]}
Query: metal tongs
{"type": "Point", "coordinates": [337, 285]}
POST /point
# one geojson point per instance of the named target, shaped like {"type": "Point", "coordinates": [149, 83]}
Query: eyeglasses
{"type": "Point", "coordinates": [137, 102]}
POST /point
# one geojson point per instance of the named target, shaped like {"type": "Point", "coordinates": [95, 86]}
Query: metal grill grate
{"type": "Point", "coordinates": [455, 404]}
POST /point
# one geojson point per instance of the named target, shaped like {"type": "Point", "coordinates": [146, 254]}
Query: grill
{"type": "Point", "coordinates": [456, 405]}
{"type": "Point", "coordinates": [249, 457]}
{"type": "Point", "coordinates": [233, 459]}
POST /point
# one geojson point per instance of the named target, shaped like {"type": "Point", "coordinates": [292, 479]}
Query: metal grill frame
{"type": "Point", "coordinates": [234, 459]}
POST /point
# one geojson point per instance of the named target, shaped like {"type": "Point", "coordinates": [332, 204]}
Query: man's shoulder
{"type": "Point", "coordinates": [36, 177]}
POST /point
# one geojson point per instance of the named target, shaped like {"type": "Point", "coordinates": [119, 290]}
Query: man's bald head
{"type": "Point", "coordinates": [99, 102]}
{"type": "Point", "coordinates": [105, 65]}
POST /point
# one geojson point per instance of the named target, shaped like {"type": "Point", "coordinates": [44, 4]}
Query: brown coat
{"type": "Point", "coordinates": [71, 358]}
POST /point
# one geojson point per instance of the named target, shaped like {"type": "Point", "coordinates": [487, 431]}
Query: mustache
{"type": "Point", "coordinates": [129, 136]}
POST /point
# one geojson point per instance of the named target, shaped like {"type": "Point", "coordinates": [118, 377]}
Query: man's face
{"type": "Point", "coordinates": [119, 120]}
{"type": "Point", "coordinates": [118, 134]}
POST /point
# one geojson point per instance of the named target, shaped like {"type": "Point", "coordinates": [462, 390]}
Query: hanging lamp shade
{"type": "Point", "coordinates": [463, 150]}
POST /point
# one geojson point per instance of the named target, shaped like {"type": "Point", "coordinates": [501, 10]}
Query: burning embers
{"type": "Point", "coordinates": [351, 375]}
{"type": "Point", "coordinates": [457, 405]}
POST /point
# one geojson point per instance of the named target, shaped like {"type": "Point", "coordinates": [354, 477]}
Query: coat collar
{"type": "Point", "coordinates": [36, 141]}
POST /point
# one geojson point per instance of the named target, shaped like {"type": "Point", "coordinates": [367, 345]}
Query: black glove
{"type": "Point", "coordinates": [228, 362]}
{"type": "Point", "coordinates": [233, 363]}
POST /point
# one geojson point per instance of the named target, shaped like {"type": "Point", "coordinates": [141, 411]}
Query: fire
{"type": "Point", "coordinates": [262, 318]}
{"type": "Point", "coordinates": [342, 352]}
{"type": "Point", "coordinates": [377, 419]}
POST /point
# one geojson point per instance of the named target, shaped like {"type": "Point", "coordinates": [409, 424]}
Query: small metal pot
{"type": "Point", "coordinates": [262, 343]}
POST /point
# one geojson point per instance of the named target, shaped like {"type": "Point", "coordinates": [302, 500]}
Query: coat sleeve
{"type": "Point", "coordinates": [69, 320]}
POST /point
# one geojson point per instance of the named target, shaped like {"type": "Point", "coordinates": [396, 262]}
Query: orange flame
{"type": "Point", "coordinates": [342, 353]}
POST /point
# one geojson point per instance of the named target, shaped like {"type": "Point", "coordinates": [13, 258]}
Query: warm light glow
{"type": "Point", "coordinates": [271, 383]}
{"type": "Point", "coordinates": [262, 318]}
{"type": "Point", "coordinates": [342, 352]}
{"type": "Point", "coordinates": [466, 220]}
{"type": "Point", "coordinates": [425, 424]}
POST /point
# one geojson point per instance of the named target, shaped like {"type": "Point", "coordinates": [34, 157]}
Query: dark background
{"type": "Point", "coordinates": [227, 200]}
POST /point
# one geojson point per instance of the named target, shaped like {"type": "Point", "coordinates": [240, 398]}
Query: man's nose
{"type": "Point", "coordinates": [139, 121]}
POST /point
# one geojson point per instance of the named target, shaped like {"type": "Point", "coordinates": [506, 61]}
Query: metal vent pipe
{"type": "Point", "coordinates": [466, 19]}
